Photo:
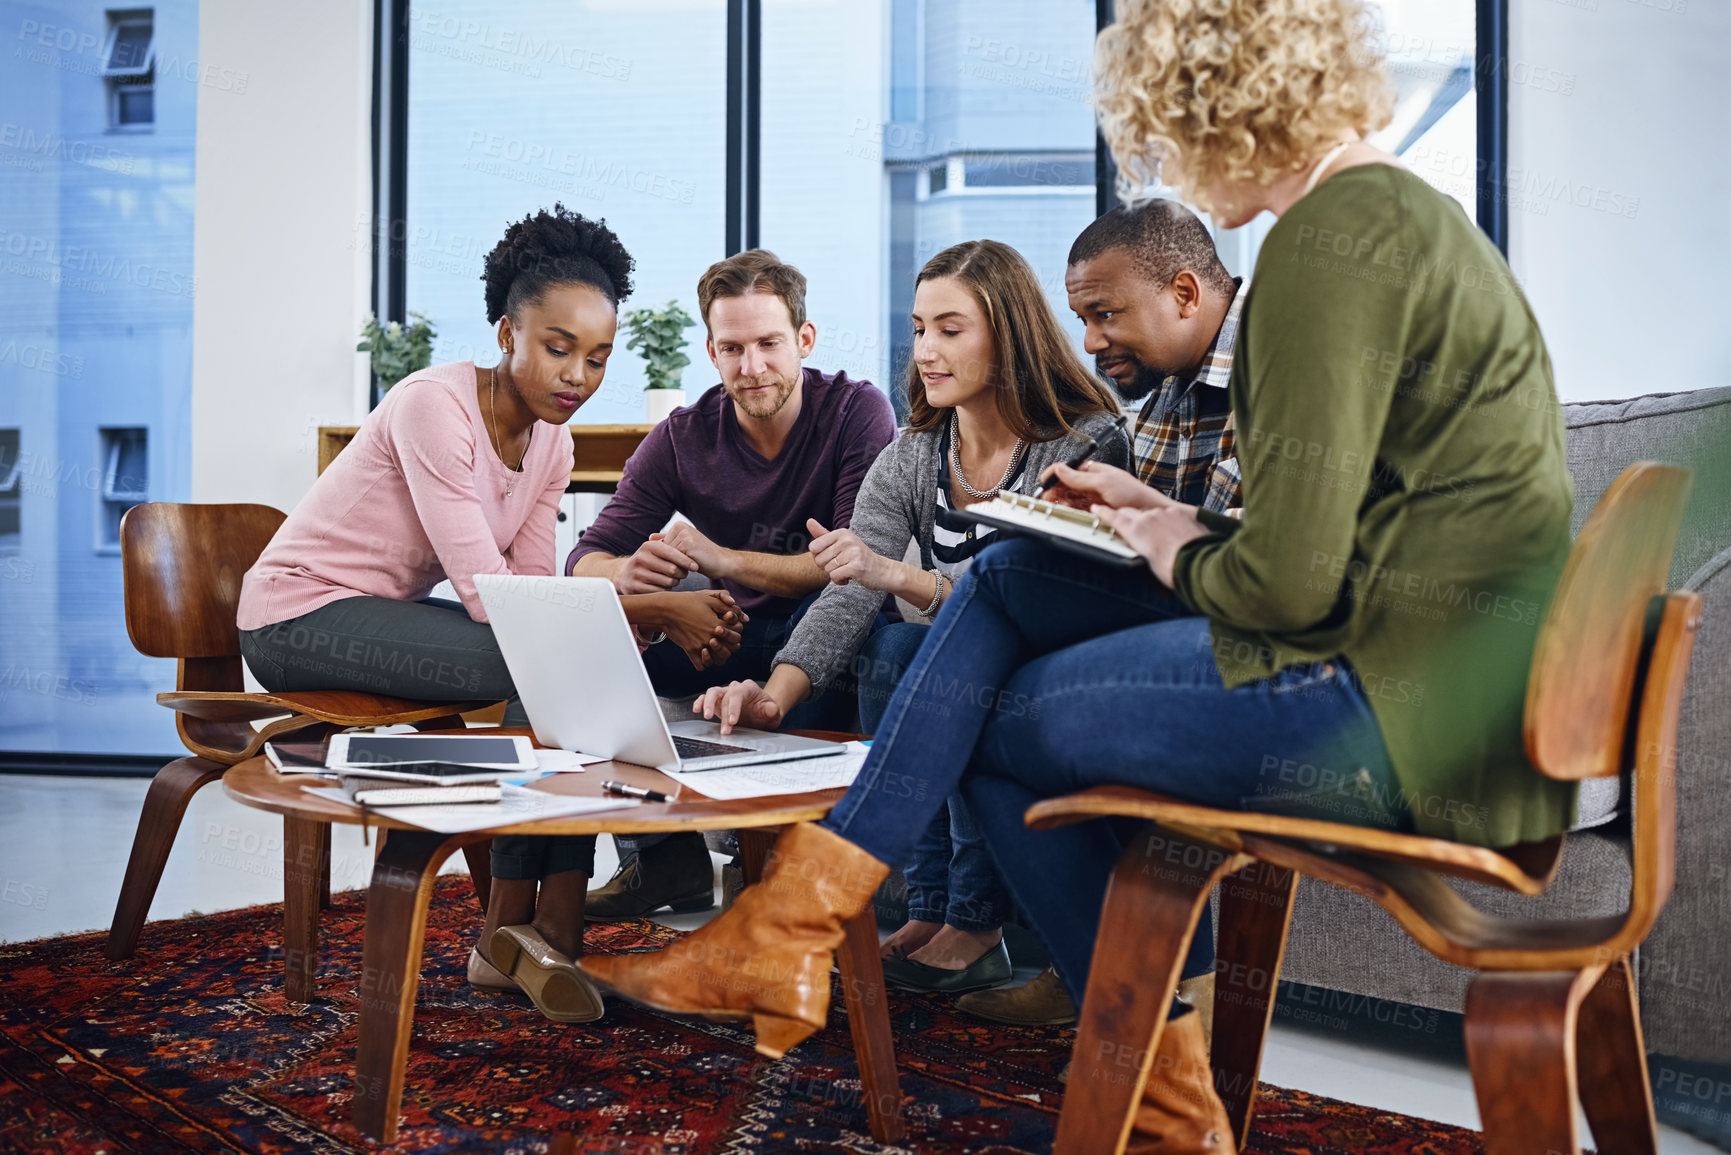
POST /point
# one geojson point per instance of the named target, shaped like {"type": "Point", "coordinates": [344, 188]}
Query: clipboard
{"type": "Point", "coordinates": [1068, 529]}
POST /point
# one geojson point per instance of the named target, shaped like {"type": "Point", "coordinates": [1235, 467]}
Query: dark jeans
{"type": "Point", "coordinates": [1046, 673]}
{"type": "Point", "coordinates": [950, 876]}
{"type": "Point", "coordinates": [673, 676]}
{"type": "Point", "coordinates": [429, 650]}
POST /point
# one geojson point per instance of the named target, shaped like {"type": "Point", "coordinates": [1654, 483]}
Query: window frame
{"type": "Point", "coordinates": [12, 490]}
{"type": "Point", "coordinates": [131, 80]}
{"type": "Point", "coordinates": [118, 19]}
{"type": "Point", "coordinates": [111, 442]}
{"type": "Point", "coordinates": [744, 50]}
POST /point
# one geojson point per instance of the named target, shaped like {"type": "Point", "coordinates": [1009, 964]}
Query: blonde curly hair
{"type": "Point", "coordinates": [1243, 90]}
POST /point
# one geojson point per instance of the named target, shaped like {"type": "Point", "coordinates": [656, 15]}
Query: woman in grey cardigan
{"type": "Point", "coordinates": [996, 396]}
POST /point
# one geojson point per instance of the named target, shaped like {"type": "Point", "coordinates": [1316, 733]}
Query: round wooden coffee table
{"type": "Point", "coordinates": [402, 884]}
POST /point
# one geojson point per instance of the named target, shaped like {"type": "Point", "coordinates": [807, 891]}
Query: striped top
{"type": "Point", "coordinates": [955, 541]}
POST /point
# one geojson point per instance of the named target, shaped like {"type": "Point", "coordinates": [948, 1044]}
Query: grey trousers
{"type": "Point", "coordinates": [432, 651]}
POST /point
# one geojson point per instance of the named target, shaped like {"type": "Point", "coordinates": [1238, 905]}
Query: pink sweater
{"type": "Point", "coordinates": [417, 497]}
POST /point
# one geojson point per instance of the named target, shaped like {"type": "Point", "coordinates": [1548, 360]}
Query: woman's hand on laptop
{"type": "Point", "coordinates": [704, 623]}
{"type": "Point", "coordinates": [740, 704]}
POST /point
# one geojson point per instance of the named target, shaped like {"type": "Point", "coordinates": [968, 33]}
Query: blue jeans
{"type": "Point", "coordinates": [950, 876]}
{"type": "Point", "coordinates": [673, 676]}
{"type": "Point", "coordinates": [1046, 673]}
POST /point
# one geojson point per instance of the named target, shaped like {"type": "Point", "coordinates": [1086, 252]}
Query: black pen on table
{"type": "Point", "coordinates": [1078, 457]}
{"type": "Point", "coordinates": [623, 791]}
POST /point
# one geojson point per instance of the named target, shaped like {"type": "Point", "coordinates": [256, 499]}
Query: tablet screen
{"type": "Point", "coordinates": [382, 749]}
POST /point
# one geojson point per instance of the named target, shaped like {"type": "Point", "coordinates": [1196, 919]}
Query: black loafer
{"type": "Point", "coordinates": [989, 970]}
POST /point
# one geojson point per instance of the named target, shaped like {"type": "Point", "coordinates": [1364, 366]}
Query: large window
{"type": "Point", "coordinates": [616, 110]}
{"type": "Point", "coordinates": [96, 293]}
{"type": "Point", "coordinates": [971, 121]}
{"type": "Point", "coordinates": [856, 138]}
{"type": "Point", "coordinates": [1431, 49]}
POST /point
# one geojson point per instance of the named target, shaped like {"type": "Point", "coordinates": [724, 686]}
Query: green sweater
{"type": "Point", "coordinates": [1406, 501]}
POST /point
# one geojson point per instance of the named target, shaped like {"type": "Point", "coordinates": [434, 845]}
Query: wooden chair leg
{"type": "Point", "coordinates": [868, 1016]}
{"type": "Point", "coordinates": [1255, 911]}
{"type": "Point", "coordinates": [1520, 1035]}
{"type": "Point", "coordinates": [164, 806]}
{"type": "Point", "coordinates": [397, 900]}
{"type": "Point", "coordinates": [1612, 1059]}
{"type": "Point", "coordinates": [479, 856]}
{"type": "Point", "coordinates": [303, 852]}
{"type": "Point", "coordinates": [1158, 891]}
{"type": "Point", "coordinates": [324, 866]}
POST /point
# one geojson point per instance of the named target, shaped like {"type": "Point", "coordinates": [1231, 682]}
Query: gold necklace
{"type": "Point", "coordinates": [493, 412]}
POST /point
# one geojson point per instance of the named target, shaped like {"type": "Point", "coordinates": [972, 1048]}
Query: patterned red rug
{"type": "Point", "coordinates": [190, 1047]}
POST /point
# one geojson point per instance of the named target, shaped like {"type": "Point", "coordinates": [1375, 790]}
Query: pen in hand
{"type": "Point", "coordinates": [1078, 457]}
{"type": "Point", "coordinates": [621, 790]}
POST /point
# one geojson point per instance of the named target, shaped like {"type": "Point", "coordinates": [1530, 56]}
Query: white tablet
{"type": "Point", "coordinates": [481, 751]}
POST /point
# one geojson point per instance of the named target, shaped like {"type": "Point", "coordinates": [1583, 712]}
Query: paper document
{"type": "Point", "coordinates": [516, 805]}
{"type": "Point", "coordinates": [564, 761]}
{"type": "Point", "coordinates": [766, 779]}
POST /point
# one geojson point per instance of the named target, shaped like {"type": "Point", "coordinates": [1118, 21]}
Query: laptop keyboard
{"type": "Point", "coordinates": [698, 748]}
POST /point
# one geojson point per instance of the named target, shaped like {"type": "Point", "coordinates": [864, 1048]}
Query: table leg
{"type": "Point", "coordinates": [397, 899]}
{"type": "Point", "coordinates": [862, 983]}
{"type": "Point", "coordinates": [868, 1016]}
{"type": "Point", "coordinates": [303, 854]}
{"type": "Point", "coordinates": [755, 843]}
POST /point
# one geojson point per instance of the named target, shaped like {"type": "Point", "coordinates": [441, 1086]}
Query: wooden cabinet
{"type": "Point", "coordinates": [600, 461]}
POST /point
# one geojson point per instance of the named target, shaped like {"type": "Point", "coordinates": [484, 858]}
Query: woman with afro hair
{"type": "Point", "coordinates": [459, 472]}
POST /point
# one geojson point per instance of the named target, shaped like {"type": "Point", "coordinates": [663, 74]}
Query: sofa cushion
{"type": "Point", "coordinates": [1348, 943]}
{"type": "Point", "coordinates": [1606, 437]}
{"type": "Point", "coordinates": [1689, 429]}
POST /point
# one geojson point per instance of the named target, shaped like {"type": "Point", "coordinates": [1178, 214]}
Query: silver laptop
{"type": "Point", "coordinates": [583, 685]}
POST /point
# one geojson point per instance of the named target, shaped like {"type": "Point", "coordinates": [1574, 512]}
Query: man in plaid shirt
{"type": "Point", "coordinates": [1161, 313]}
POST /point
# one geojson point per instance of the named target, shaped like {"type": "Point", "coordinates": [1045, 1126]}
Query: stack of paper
{"type": "Point", "coordinates": [767, 779]}
{"type": "Point", "coordinates": [516, 804]}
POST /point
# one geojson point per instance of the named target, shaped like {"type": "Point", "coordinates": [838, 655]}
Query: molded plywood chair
{"type": "Point", "coordinates": [182, 567]}
{"type": "Point", "coordinates": [1551, 1019]}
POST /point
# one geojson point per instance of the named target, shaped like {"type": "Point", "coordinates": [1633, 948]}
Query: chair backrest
{"type": "Point", "coordinates": [1580, 692]}
{"type": "Point", "coordinates": [181, 566]}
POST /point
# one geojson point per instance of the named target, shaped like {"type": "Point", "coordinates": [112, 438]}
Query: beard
{"type": "Point", "coordinates": [757, 406]}
{"type": "Point", "coordinates": [1145, 382]}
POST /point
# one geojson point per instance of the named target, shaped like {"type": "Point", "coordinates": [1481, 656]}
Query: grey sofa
{"type": "Point", "coordinates": [1345, 943]}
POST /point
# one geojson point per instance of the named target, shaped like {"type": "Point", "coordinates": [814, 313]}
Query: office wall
{"type": "Point", "coordinates": [1620, 189]}
{"type": "Point", "coordinates": [280, 243]}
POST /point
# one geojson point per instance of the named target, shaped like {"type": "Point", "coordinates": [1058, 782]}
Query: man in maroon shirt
{"type": "Point", "coordinates": [746, 465]}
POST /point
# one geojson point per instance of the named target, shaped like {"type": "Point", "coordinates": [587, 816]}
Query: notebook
{"type": "Point", "coordinates": [1066, 528]}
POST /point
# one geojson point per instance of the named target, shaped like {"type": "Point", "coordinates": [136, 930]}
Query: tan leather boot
{"type": "Point", "coordinates": [767, 959]}
{"type": "Point", "coordinates": [1180, 1112]}
{"type": "Point", "coordinates": [1040, 1002]}
{"type": "Point", "coordinates": [1199, 993]}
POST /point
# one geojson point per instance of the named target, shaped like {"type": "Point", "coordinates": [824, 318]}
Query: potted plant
{"type": "Point", "coordinates": [658, 336]}
{"type": "Point", "coordinates": [397, 349]}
